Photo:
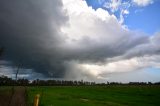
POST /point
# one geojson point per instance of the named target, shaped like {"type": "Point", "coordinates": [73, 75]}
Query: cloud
{"type": "Point", "coordinates": [7, 69]}
{"type": "Point", "coordinates": [122, 8]}
{"type": "Point", "coordinates": [99, 48]}
{"type": "Point", "coordinates": [30, 33]}
{"type": "Point", "coordinates": [67, 39]}
{"type": "Point", "coordinates": [95, 39]}
{"type": "Point", "coordinates": [113, 5]}
{"type": "Point", "coordinates": [147, 75]}
{"type": "Point", "coordinates": [142, 2]}
{"type": "Point", "coordinates": [118, 6]}
{"type": "Point", "coordinates": [125, 65]}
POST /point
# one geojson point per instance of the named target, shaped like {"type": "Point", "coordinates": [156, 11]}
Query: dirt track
{"type": "Point", "coordinates": [17, 98]}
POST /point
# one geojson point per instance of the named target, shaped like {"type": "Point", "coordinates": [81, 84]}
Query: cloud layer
{"type": "Point", "coordinates": [67, 39]}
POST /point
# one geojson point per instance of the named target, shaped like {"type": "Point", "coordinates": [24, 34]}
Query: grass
{"type": "Point", "coordinates": [5, 89]}
{"type": "Point", "coordinates": [96, 95]}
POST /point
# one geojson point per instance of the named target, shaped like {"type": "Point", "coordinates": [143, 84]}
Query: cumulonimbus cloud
{"type": "Point", "coordinates": [68, 39]}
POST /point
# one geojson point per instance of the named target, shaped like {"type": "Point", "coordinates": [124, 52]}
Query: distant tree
{"type": "Point", "coordinates": [149, 83]}
{"type": "Point", "coordinates": [4, 80]}
{"type": "Point", "coordinates": [22, 82]}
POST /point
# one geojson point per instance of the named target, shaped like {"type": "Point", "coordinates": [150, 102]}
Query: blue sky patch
{"type": "Point", "coordinates": [140, 18]}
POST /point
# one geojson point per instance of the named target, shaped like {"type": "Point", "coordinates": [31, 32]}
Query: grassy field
{"type": "Point", "coordinates": [96, 95]}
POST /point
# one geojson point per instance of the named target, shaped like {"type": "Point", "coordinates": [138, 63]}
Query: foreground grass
{"type": "Point", "coordinates": [96, 95]}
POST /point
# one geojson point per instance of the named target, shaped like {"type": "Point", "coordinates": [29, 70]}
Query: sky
{"type": "Point", "coordinates": [91, 40]}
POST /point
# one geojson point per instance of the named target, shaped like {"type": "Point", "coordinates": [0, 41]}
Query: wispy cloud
{"type": "Point", "coordinates": [142, 2]}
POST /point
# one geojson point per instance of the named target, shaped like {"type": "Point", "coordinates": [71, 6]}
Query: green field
{"type": "Point", "coordinates": [96, 95]}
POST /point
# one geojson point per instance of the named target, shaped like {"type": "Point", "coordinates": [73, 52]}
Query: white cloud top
{"type": "Point", "coordinates": [99, 33]}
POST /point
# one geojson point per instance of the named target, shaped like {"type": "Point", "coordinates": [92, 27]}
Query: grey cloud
{"type": "Point", "coordinates": [30, 32]}
{"type": "Point", "coordinates": [151, 47]}
{"type": "Point", "coordinates": [92, 52]}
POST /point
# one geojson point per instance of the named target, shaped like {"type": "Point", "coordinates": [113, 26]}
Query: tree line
{"type": "Point", "coordinates": [6, 81]}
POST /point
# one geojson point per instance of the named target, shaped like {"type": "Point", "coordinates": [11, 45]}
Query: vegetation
{"type": "Point", "coordinates": [112, 95]}
{"type": "Point", "coordinates": [79, 93]}
{"type": "Point", "coordinates": [5, 81]}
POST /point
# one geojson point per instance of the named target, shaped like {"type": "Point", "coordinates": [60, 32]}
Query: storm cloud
{"type": "Point", "coordinates": [30, 33]}
{"type": "Point", "coordinates": [68, 39]}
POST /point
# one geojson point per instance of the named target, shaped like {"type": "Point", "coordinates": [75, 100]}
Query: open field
{"type": "Point", "coordinates": [96, 95]}
{"type": "Point", "coordinates": [120, 95]}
